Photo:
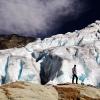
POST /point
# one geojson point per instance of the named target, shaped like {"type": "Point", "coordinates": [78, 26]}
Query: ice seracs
{"type": "Point", "coordinates": [51, 60]}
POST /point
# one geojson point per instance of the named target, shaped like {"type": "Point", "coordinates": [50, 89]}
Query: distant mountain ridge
{"type": "Point", "coordinates": [11, 41]}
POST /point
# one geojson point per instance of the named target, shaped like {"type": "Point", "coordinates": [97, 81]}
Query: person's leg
{"type": "Point", "coordinates": [73, 79]}
{"type": "Point", "coordinates": [76, 79]}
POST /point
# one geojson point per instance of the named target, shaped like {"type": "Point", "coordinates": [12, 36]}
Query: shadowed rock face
{"type": "Point", "coordinates": [11, 41]}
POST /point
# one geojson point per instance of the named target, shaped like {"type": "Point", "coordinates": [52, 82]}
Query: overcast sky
{"type": "Point", "coordinates": [38, 17]}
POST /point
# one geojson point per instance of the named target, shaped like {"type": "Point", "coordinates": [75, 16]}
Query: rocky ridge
{"type": "Point", "coordinates": [28, 91]}
{"type": "Point", "coordinates": [11, 41]}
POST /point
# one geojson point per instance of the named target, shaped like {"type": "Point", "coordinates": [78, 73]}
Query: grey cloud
{"type": "Point", "coordinates": [31, 17]}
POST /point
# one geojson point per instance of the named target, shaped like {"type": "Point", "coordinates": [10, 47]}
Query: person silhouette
{"type": "Point", "coordinates": [74, 74]}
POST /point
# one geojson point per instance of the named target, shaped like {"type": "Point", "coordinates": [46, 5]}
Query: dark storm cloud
{"type": "Point", "coordinates": [34, 17]}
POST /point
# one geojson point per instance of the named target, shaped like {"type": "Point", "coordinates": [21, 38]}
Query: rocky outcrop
{"type": "Point", "coordinates": [77, 92]}
{"type": "Point", "coordinates": [29, 91]}
{"type": "Point", "coordinates": [11, 41]}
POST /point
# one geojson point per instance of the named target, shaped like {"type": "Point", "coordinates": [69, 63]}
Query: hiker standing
{"type": "Point", "coordinates": [74, 74]}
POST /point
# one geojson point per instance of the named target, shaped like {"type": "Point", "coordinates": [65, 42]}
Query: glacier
{"type": "Point", "coordinates": [50, 61]}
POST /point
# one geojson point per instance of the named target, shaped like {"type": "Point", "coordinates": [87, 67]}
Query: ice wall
{"type": "Point", "coordinates": [50, 61]}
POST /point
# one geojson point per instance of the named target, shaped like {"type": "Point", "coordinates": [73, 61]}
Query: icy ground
{"type": "Point", "coordinates": [51, 60]}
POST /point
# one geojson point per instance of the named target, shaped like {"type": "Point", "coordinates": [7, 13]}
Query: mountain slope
{"type": "Point", "coordinates": [11, 41]}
